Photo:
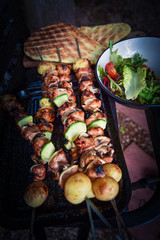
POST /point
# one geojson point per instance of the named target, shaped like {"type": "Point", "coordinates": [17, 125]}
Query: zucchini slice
{"type": "Point", "coordinates": [74, 130]}
{"type": "Point", "coordinates": [60, 100]}
{"type": "Point", "coordinates": [97, 123]}
{"type": "Point", "coordinates": [44, 102]}
{"type": "Point", "coordinates": [47, 151]}
{"type": "Point", "coordinates": [25, 120]}
{"type": "Point", "coordinates": [48, 134]}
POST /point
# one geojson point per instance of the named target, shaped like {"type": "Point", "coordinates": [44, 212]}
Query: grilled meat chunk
{"type": "Point", "coordinates": [86, 95]}
{"type": "Point", "coordinates": [38, 144]}
{"type": "Point", "coordinates": [66, 84]}
{"type": "Point", "coordinates": [84, 72]}
{"type": "Point", "coordinates": [74, 155]}
{"type": "Point", "coordinates": [102, 140]}
{"type": "Point", "coordinates": [45, 115]}
{"type": "Point", "coordinates": [84, 143]}
{"type": "Point", "coordinates": [95, 116]}
{"type": "Point", "coordinates": [105, 153]}
{"type": "Point", "coordinates": [39, 172]}
{"type": "Point", "coordinates": [95, 169]}
{"type": "Point", "coordinates": [92, 105]}
{"type": "Point", "coordinates": [9, 102]}
{"type": "Point", "coordinates": [66, 108]}
{"type": "Point", "coordinates": [97, 131]}
{"type": "Point", "coordinates": [46, 127]}
{"type": "Point", "coordinates": [30, 132]}
{"type": "Point", "coordinates": [64, 78]}
{"type": "Point", "coordinates": [63, 69]}
{"type": "Point", "coordinates": [58, 163]}
{"type": "Point", "coordinates": [87, 157]}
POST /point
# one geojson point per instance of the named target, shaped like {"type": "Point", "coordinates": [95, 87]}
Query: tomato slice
{"type": "Point", "coordinates": [111, 70]}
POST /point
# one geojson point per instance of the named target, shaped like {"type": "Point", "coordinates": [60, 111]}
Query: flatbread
{"type": "Point", "coordinates": [63, 36]}
{"type": "Point", "coordinates": [103, 33]}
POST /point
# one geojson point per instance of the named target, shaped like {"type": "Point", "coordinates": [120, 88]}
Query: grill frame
{"type": "Point", "coordinates": [16, 162]}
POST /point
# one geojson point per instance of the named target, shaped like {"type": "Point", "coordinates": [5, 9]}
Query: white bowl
{"type": "Point", "coordinates": [148, 47]}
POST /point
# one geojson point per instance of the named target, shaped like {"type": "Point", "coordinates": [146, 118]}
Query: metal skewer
{"type": "Point", "coordinates": [59, 55]}
{"type": "Point", "coordinates": [39, 53]}
{"type": "Point", "coordinates": [120, 220]}
{"type": "Point", "coordinates": [78, 48]}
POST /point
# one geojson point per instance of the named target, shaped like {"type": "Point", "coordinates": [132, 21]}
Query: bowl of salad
{"type": "Point", "coordinates": [129, 72]}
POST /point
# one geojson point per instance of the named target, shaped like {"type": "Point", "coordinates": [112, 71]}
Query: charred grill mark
{"type": "Point", "coordinates": [98, 169]}
{"type": "Point", "coordinates": [37, 135]}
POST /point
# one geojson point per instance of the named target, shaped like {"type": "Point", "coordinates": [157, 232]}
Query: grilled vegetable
{"type": "Point", "coordinates": [48, 134]}
{"type": "Point", "coordinates": [98, 123]}
{"type": "Point", "coordinates": [47, 151]}
{"type": "Point", "coordinates": [77, 187]}
{"type": "Point", "coordinates": [105, 189]}
{"type": "Point", "coordinates": [25, 120]}
{"type": "Point", "coordinates": [60, 100]}
{"type": "Point", "coordinates": [35, 194]}
{"type": "Point", "coordinates": [75, 130]}
{"type": "Point", "coordinates": [44, 102]}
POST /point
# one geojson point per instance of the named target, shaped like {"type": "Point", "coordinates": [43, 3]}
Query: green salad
{"type": "Point", "coordinates": [130, 78]}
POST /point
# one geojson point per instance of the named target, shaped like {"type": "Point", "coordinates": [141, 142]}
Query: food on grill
{"type": "Point", "coordinates": [66, 174]}
{"type": "Point", "coordinates": [30, 132]}
{"type": "Point", "coordinates": [88, 146]}
{"type": "Point", "coordinates": [46, 151]}
{"type": "Point", "coordinates": [44, 66]}
{"type": "Point", "coordinates": [81, 63]}
{"type": "Point", "coordinates": [39, 172]}
{"type": "Point", "coordinates": [58, 162]}
{"type": "Point", "coordinates": [74, 130]}
{"type": "Point", "coordinates": [63, 69]}
{"type": "Point", "coordinates": [77, 187]}
{"type": "Point", "coordinates": [61, 35]}
{"type": "Point", "coordinates": [60, 100]}
{"type": "Point", "coordinates": [112, 170]}
{"type": "Point", "coordinates": [105, 188]}
{"type": "Point", "coordinates": [44, 102]}
{"type": "Point", "coordinates": [36, 194]}
{"type": "Point", "coordinates": [25, 120]}
{"type": "Point", "coordinates": [103, 33]}
{"type": "Point", "coordinates": [45, 114]}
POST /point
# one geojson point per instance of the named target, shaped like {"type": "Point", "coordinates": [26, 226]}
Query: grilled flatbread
{"type": "Point", "coordinates": [103, 33]}
{"type": "Point", "coordinates": [63, 36]}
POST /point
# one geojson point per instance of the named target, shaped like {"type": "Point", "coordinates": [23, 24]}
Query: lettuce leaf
{"type": "Point", "coordinates": [133, 82]}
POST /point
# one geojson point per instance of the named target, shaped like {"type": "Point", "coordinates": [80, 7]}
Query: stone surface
{"type": "Point", "coordinates": [136, 115]}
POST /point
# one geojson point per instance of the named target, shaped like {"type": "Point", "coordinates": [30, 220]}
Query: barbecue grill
{"type": "Point", "coordinates": [15, 153]}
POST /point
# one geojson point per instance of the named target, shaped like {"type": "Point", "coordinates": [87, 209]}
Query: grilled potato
{"type": "Point", "coordinates": [35, 194]}
{"type": "Point", "coordinates": [44, 66]}
{"type": "Point", "coordinates": [112, 170]}
{"type": "Point", "coordinates": [77, 187]}
{"type": "Point", "coordinates": [81, 63]}
{"type": "Point", "coordinates": [105, 189]}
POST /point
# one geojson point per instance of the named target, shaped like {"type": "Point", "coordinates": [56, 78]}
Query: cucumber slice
{"type": "Point", "coordinates": [74, 130]}
{"type": "Point", "coordinates": [60, 100]}
{"type": "Point", "coordinates": [48, 134]}
{"type": "Point", "coordinates": [23, 121]}
{"type": "Point", "coordinates": [44, 102]}
{"type": "Point", "coordinates": [98, 123]}
{"type": "Point", "coordinates": [47, 151]}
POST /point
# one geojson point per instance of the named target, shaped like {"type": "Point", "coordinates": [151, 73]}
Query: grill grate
{"type": "Point", "coordinates": [16, 162]}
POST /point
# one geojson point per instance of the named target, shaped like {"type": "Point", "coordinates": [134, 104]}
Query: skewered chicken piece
{"type": "Point", "coordinates": [63, 69]}
{"type": "Point", "coordinates": [39, 172]}
{"type": "Point", "coordinates": [58, 163]}
{"type": "Point", "coordinates": [45, 114]}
